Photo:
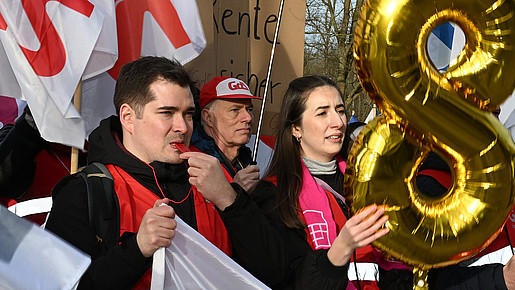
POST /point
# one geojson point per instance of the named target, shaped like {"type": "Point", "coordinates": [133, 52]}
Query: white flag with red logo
{"type": "Point", "coordinates": [47, 46]}
{"type": "Point", "coordinates": [45, 52]}
{"type": "Point", "coordinates": [169, 28]}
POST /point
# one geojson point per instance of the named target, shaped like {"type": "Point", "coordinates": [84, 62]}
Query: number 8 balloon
{"type": "Point", "coordinates": [425, 110]}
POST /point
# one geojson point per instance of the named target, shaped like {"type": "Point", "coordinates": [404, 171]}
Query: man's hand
{"type": "Point", "coordinates": [207, 175]}
{"type": "Point", "coordinates": [247, 177]}
{"type": "Point", "coordinates": [157, 228]}
{"type": "Point", "coordinates": [509, 274]}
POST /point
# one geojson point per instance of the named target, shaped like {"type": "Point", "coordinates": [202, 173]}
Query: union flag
{"type": "Point", "coordinates": [169, 28]}
{"type": "Point", "coordinates": [48, 46]}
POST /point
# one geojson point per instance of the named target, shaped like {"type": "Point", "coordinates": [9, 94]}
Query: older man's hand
{"type": "Point", "coordinates": [247, 177]}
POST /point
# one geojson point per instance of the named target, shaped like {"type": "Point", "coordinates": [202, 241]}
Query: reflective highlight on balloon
{"type": "Point", "coordinates": [426, 110]}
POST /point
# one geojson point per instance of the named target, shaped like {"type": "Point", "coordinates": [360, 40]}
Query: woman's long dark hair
{"type": "Point", "coordinates": [286, 161]}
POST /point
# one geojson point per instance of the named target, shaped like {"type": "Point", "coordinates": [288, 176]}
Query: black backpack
{"type": "Point", "coordinates": [103, 205]}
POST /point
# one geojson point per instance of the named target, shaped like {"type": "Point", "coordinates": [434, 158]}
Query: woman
{"type": "Point", "coordinates": [301, 191]}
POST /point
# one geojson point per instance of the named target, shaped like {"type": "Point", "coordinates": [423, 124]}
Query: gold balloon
{"type": "Point", "coordinates": [426, 110]}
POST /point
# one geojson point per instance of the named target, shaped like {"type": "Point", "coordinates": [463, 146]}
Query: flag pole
{"type": "Point", "coordinates": [74, 160]}
{"type": "Point", "coordinates": [268, 74]}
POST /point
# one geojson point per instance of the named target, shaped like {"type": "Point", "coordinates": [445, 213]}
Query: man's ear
{"type": "Point", "coordinates": [127, 116]}
{"type": "Point", "coordinates": [207, 117]}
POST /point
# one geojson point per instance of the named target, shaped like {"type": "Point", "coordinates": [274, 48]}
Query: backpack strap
{"type": "Point", "coordinates": [103, 205]}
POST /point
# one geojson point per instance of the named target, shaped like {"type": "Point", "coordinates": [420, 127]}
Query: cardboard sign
{"type": "Point", "coordinates": [239, 42]}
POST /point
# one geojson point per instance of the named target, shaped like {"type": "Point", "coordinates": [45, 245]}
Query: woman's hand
{"type": "Point", "coordinates": [359, 231]}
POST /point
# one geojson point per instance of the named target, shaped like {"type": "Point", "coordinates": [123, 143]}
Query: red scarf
{"type": "Point", "coordinates": [135, 200]}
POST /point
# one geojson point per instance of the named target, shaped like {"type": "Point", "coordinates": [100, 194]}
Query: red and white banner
{"type": "Point", "coordinates": [169, 28]}
{"type": "Point", "coordinates": [48, 45]}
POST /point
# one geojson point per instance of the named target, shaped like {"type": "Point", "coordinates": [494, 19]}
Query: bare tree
{"type": "Point", "coordinates": [330, 26]}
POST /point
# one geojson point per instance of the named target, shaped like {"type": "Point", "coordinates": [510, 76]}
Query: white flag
{"type": "Point", "coordinates": [169, 28]}
{"type": "Point", "coordinates": [32, 258]}
{"type": "Point", "coordinates": [48, 45]}
{"type": "Point", "coordinates": [192, 262]}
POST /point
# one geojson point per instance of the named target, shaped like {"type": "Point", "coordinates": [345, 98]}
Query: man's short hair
{"type": "Point", "coordinates": [133, 83]}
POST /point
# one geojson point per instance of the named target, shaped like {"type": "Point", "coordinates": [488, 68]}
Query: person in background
{"type": "Point", "coordinates": [19, 144]}
{"type": "Point", "coordinates": [226, 122]}
{"type": "Point", "coordinates": [30, 167]}
{"type": "Point", "coordinates": [354, 129]}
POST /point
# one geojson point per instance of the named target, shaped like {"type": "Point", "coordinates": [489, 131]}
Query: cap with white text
{"type": "Point", "coordinates": [224, 88]}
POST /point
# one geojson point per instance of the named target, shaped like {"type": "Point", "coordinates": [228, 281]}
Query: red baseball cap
{"type": "Point", "coordinates": [224, 88]}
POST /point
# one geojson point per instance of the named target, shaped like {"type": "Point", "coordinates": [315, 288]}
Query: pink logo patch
{"type": "Point", "coordinates": [318, 229]}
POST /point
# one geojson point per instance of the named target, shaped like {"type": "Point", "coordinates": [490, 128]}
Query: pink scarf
{"type": "Point", "coordinates": [317, 212]}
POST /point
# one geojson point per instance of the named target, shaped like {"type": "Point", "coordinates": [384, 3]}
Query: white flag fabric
{"type": "Point", "coordinates": [192, 262]}
{"type": "Point", "coordinates": [105, 52]}
{"type": "Point", "coordinates": [265, 151]}
{"type": "Point", "coordinates": [507, 116]}
{"type": "Point", "coordinates": [169, 28]}
{"type": "Point", "coordinates": [85, 42]}
{"type": "Point", "coordinates": [8, 83]}
{"type": "Point", "coordinates": [46, 46]}
{"type": "Point", "coordinates": [32, 258]}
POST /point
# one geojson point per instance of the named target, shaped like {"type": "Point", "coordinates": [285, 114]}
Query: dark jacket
{"type": "Point", "coordinates": [206, 144]}
{"type": "Point", "coordinates": [19, 145]}
{"type": "Point", "coordinates": [305, 268]}
{"type": "Point", "coordinates": [122, 266]}
{"type": "Point", "coordinates": [30, 167]}
{"type": "Point", "coordinates": [459, 277]}
{"type": "Point", "coordinates": [300, 267]}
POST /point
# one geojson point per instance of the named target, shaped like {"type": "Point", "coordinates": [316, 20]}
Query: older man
{"type": "Point", "coordinates": [226, 112]}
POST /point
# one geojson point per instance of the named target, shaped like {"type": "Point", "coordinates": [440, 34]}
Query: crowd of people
{"type": "Point", "coordinates": [291, 229]}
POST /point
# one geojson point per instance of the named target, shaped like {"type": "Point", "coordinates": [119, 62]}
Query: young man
{"type": "Point", "coordinates": [140, 148]}
{"type": "Point", "coordinates": [226, 118]}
